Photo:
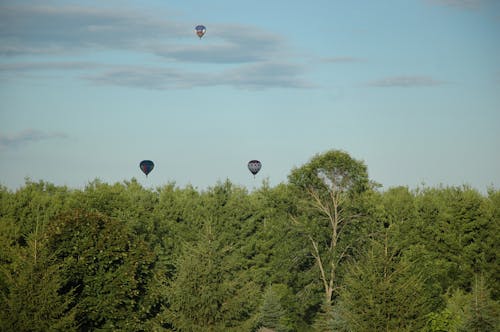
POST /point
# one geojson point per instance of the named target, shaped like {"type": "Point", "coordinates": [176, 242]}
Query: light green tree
{"type": "Point", "coordinates": [474, 311]}
{"type": "Point", "coordinates": [272, 315]}
{"type": "Point", "coordinates": [328, 184]}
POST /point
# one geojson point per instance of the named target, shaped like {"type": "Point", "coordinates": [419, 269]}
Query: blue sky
{"type": "Point", "coordinates": [88, 89]}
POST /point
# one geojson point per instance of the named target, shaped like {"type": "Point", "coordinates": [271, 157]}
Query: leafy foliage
{"type": "Point", "coordinates": [107, 266]}
{"type": "Point", "coordinates": [326, 251]}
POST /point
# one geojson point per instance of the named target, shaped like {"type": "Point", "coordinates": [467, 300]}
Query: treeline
{"type": "Point", "coordinates": [326, 251]}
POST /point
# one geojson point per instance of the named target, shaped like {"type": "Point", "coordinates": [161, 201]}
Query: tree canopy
{"type": "Point", "coordinates": [328, 250]}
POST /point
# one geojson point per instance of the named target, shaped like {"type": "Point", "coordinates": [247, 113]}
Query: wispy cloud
{"type": "Point", "coordinates": [27, 136]}
{"type": "Point", "coordinates": [227, 44]}
{"type": "Point", "coordinates": [258, 75]}
{"type": "Point", "coordinates": [341, 59]}
{"type": "Point", "coordinates": [252, 76]}
{"type": "Point", "coordinates": [240, 56]}
{"type": "Point", "coordinates": [62, 29]}
{"type": "Point", "coordinates": [50, 65]}
{"type": "Point", "coordinates": [144, 77]}
{"type": "Point", "coordinates": [405, 82]}
{"type": "Point", "coordinates": [65, 29]}
{"type": "Point", "coordinates": [263, 75]}
{"type": "Point", "coordinates": [19, 70]}
{"type": "Point", "coordinates": [464, 4]}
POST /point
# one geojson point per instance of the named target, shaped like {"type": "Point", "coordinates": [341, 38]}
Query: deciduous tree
{"type": "Point", "coordinates": [326, 184]}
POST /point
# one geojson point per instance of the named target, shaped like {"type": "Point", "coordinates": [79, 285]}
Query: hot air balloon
{"type": "Point", "coordinates": [254, 166]}
{"type": "Point", "coordinates": [200, 30]}
{"type": "Point", "coordinates": [146, 166]}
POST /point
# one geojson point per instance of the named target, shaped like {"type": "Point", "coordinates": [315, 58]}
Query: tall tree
{"type": "Point", "coordinates": [327, 184]}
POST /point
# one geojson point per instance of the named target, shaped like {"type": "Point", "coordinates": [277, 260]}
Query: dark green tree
{"type": "Point", "coordinates": [31, 298]}
{"type": "Point", "coordinates": [454, 227]}
{"type": "Point", "coordinates": [489, 240]}
{"type": "Point", "coordinates": [281, 255]}
{"type": "Point", "coordinates": [109, 268]}
{"type": "Point", "coordinates": [209, 291]}
{"type": "Point", "coordinates": [381, 292]}
{"type": "Point", "coordinates": [482, 313]}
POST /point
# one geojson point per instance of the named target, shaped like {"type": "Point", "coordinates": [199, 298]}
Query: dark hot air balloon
{"type": "Point", "coordinates": [254, 166]}
{"type": "Point", "coordinates": [146, 166]}
{"type": "Point", "coordinates": [200, 30]}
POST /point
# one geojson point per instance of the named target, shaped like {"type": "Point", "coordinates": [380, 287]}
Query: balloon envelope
{"type": "Point", "coordinates": [146, 166]}
{"type": "Point", "coordinates": [254, 166]}
{"type": "Point", "coordinates": [200, 30]}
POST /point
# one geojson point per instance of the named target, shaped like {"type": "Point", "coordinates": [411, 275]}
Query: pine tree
{"type": "Point", "coordinates": [325, 319]}
{"type": "Point", "coordinates": [482, 314]}
{"type": "Point", "coordinates": [381, 293]}
{"type": "Point", "coordinates": [467, 312]}
{"type": "Point", "coordinates": [209, 291]}
{"type": "Point", "coordinates": [32, 300]}
{"type": "Point", "coordinates": [272, 314]}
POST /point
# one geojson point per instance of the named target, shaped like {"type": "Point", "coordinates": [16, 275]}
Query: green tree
{"type": "Point", "coordinates": [327, 184]}
{"type": "Point", "coordinates": [464, 312]}
{"type": "Point", "coordinates": [281, 256]}
{"type": "Point", "coordinates": [209, 291]}
{"type": "Point", "coordinates": [109, 268]}
{"type": "Point", "coordinates": [31, 299]}
{"type": "Point", "coordinates": [483, 313]}
{"type": "Point", "coordinates": [326, 320]}
{"type": "Point", "coordinates": [32, 205]}
{"type": "Point", "coordinates": [454, 227]}
{"type": "Point", "coordinates": [272, 315]}
{"type": "Point", "coordinates": [490, 242]}
{"type": "Point", "coordinates": [381, 292]}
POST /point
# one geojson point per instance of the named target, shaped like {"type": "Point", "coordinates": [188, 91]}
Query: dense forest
{"type": "Point", "coordinates": [329, 250]}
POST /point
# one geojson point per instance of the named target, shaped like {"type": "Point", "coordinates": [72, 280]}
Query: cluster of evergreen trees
{"type": "Point", "coordinates": [326, 251]}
